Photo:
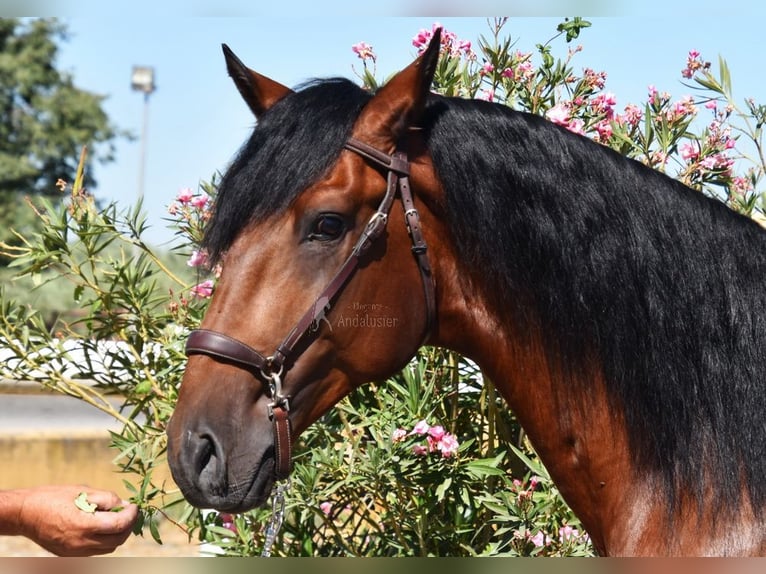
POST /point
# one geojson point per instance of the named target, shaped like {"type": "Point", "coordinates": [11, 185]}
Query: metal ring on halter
{"type": "Point", "coordinates": [275, 390]}
{"type": "Point", "coordinates": [269, 363]}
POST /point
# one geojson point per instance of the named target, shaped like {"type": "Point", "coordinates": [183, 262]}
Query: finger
{"type": "Point", "coordinates": [119, 522]}
{"type": "Point", "coordinates": [108, 542]}
{"type": "Point", "coordinates": [93, 547]}
{"type": "Point", "coordinates": [104, 499]}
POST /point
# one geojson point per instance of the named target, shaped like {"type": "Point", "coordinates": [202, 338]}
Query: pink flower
{"type": "Point", "coordinates": [200, 201]}
{"type": "Point", "coordinates": [203, 290]}
{"type": "Point", "coordinates": [659, 157]}
{"type": "Point", "coordinates": [448, 445]}
{"type": "Point", "coordinates": [717, 161]}
{"type": "Point", "coordinates": [398, 435]}
{"type": "Point", "coordinates": [633, 114]}
{"type": "Point", "coordinates": [421, 39]}
{"type": "Point", "coordinates": [421, 427]}
{"type": "Point", "coordinates": [227, 521]}
{"type": "Point", "coordinates": [690, 151]}
{"type": "Point", "coordinates": [525, 70]}
{"type": "Point", "coordinates": [577, 126]}
{"type": "Point", "coordinates": [567, 533]}
{"type": "Point", "coordinates": [685, 106]}
{"type": "Point", "coordinates": [693, 63]}
{"type": "Point", "coordinates": [463, 46]}
{"type": "Point", "coordinates": [326, 507]}
{"type": "Point", "coordinates": [741, 184]}
{"type": "Point", "coordinates": [595, 80]}
{"type": "Point", "coordinates": [198, 258]}
{"type": "Point", "coordinates": [604, 103]}
{"type": "Point", "coordinates": [419, 450]}
{"type": "Point", "coordinates": [364, 51]}
{"type": "Point", "coordinates": [507, 73]}
{"type": "Point", "coordinates": [487, 95]}
{"type": "Point", "coordinates": [450, 43]}
{"type": "Point", "coordinates": [538, 539]}
{"type": "Point", "coordinates": [185, 195]}
{"type": "Point", "coordinates": [604, 129]}
{"type": "Point", "coordinates": [709, 163]}
{"type": "Point", "coordinates": [436, 432]}
{"type": "Point", "coordinates": [487, 68]}
{"type": "Point", "coordinates": [559, 114]}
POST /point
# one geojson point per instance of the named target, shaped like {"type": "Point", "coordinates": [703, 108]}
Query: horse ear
{"type": "Point", "coordinates": [399, 104]}
{"type": "Point", "coordinates": [259, 92]}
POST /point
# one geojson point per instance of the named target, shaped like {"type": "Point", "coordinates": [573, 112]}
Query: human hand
{"type": "Point", "coordinates": [49, 517]}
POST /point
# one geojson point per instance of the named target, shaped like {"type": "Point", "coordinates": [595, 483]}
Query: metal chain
{"type": "Point", "coordinates": [277, 516]}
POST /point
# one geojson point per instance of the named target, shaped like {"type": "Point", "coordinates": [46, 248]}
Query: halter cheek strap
{"type": "Point", "coordinates": [270, 369]}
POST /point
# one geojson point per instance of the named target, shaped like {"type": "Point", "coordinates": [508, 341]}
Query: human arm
{"type": "Point", "coordinates": [48, 516]}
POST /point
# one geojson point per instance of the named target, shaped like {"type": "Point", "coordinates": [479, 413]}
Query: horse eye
{"type": "Point", "coordinates": [327, 227]}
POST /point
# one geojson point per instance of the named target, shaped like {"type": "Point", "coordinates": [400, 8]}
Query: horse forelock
{"type": "Point", "coordinates": [291, 147]}
{"type": "Point", "coordinates": [662, 284]}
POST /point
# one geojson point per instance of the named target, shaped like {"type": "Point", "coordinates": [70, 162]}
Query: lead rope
{"type": "Point", "coordinates": [277, 516]}
{"type": "Point", "coordinates": [278, 411]}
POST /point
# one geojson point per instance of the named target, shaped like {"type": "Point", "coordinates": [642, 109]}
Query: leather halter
{"type": "Point", "coordinates": [270, 368]}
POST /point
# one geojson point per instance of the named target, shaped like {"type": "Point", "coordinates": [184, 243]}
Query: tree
{"type": "Point", "coordinates": [44, 119]}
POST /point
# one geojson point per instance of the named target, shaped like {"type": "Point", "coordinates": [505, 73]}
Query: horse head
{"type": "Point", "coordinates": [325, 281]}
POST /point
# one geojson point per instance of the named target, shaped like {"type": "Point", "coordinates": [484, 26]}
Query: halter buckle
{"type": "Point", "coordinates": [376, 224]}
{"type": "Point", "coordinates": [281, 402]}
{"type": "Point", "coordinates": [275, 391]}
{"type": "Point", "coordinates": [372, 230]}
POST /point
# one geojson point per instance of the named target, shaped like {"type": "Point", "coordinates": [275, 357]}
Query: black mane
{"type": "Point", "coordinates": [663, 286]}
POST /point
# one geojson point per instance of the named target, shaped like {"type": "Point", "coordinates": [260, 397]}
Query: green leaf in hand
{"type": "Point", "coordinates": [82, 503]}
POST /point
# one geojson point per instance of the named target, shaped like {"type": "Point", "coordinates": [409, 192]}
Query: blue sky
{"type": "Point", "coordinates": [197, 120]}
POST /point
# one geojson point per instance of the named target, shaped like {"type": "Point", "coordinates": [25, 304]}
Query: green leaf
{"type": "Point", "coordinates": [138, 527]}
{"type": "Point", "coordinates": [535, 466]}
{"type": "Point", "coordinates": [710, 84]}
{"type": "Point", "coordinates": [143, 387]}
{"type": "Point", "coordinates": [572, 27]}
{"type": "Point", "coordinates": [486, 467]}
{"type": "Point", "coordinates": [725, 76]}
{"type": "Point", "coordinates": [442, 489]}
{"type": "Point", "coordinates": [82, 503]}
{"type": "Point", "coordinates": [78, 291]}
{"type": "Point", "coordinates": [154, 530]}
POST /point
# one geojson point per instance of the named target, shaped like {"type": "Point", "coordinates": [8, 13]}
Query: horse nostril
{"type": "Point", "coordinates": [205, 452]}
{"type": "Point", "coordinates": [208, 461]}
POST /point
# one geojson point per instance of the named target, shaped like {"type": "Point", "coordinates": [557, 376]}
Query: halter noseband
{"type": "Point", "coordinates": [270, 369]}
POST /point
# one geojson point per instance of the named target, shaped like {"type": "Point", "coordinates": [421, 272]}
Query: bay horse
{"type": "Point", "coordinates": [619, 313]}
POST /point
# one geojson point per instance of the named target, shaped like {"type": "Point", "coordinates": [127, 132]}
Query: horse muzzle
{"type": "Point", "coordinates": [220, 466]}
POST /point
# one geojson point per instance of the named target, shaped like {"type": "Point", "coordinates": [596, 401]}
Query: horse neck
{"type": "Point", "coordinates": [578, 432]}
{"type": "Point", "coordinates": [527, 327]}
{"type": "Point", "coordinates": [577, 436]}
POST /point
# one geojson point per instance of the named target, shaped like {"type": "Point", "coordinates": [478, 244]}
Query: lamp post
{"type": "Point", "coordinates": [142, 80]}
